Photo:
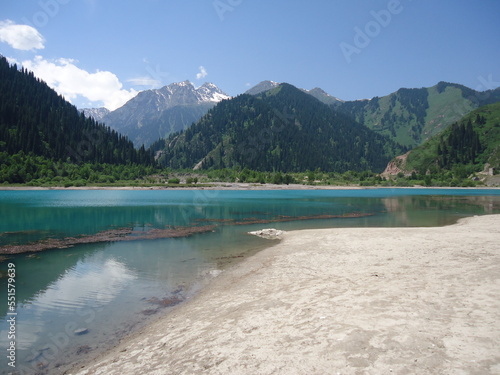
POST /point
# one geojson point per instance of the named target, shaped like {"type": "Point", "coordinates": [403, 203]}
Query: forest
{"type": "Point", "coordinates": [281, 136]}
{"type": "Point", "coordinates": [281, 130]}
{"type": "Point", "coordinates": [39, 130]}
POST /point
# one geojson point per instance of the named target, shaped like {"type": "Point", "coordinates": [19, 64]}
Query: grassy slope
{"type": "Point", "coordinates": [373, 118]}
{"type": "Point", "coordinates": [424, 156]}
{"type": "Point", "coordinates": [444, 109]}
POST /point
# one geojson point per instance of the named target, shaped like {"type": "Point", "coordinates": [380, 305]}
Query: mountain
{"type": "Point", "coordinates": [468, 144]}
{"type": "Point", "coordinates": [36, 121]}
{"type": "Point", "coordinates": [283, 129]}
{"type": "Point", "coordinates": [262, 87]}
{"type": "Point", "coordinates": [318, 93]}
{"type": "Point", "coordinates": [323, 96]}
{"type": "Point", "coordinates": [154, 114]}
{"type": "Point", "coordinates": [95, 113]}
{"type": "Point", "coordinates": [411, 116]}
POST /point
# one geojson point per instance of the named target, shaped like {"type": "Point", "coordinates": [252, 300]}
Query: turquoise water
{"type": "Point", "coordinates": [112, 288]}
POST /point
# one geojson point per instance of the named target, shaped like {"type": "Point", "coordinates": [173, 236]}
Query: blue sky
{"type": "Point", "coordinates": [102, 52]}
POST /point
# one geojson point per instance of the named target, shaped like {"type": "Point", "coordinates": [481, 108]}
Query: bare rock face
{"type": "Point", "coordinates": [270, 234]}
{"type": "Point", "coordinates": [395, 166]}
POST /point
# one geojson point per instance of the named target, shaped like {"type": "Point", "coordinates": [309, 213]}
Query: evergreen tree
{"type": "Point", "coordinates": [282, 130]}
{"type": "Point", "coordinates": [35, 119]}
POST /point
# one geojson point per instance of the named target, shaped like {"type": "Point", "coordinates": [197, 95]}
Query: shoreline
{"type": "Point", "coordinates": [327, 301]}
{"type": "Point", "coordinates": [237, 186]}
{"type": "Point", "coordinates": [128, 234]}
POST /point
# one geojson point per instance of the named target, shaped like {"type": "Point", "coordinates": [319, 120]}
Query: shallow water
{"type": "Point", "coordinates": [112, 288]}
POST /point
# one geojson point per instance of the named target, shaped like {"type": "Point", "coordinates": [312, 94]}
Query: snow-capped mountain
{"type": "Point", "coordinates": [184, 93]}
{"type": "Point", "coordinates": [96, 113]}
{"type": "Point", "coordinates": [154, 114]}
{"type": "Point", "coordinates": [211, 93]}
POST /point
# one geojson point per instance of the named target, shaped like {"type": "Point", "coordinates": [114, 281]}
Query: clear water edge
{"type": "Point", "coordinates": [112, 288]}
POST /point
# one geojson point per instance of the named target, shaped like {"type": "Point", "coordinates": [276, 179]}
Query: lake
{"type": "Point", "coordinates": [129, 255]}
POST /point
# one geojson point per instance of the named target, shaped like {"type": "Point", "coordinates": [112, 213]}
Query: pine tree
{"type": "Point", "coordinates": [35, 119]}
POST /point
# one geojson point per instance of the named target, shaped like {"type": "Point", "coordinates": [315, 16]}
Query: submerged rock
{"type": "Point", "coordinates": [81, 331]}
{"type": "Point", "coordinates": [270, 233]}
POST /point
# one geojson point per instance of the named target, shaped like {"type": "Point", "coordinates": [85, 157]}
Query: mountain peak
{"type": "Point", "coordinates": [156, 113]}
{"type": "Point", "coordinates": [96, 113]}
{"type": "Point", "coordinates": [262, 87]}
{"type": "Point", "coordinates": [187, 82]}
{"type": "Point", "coordinates": [323, 96]}
{"type": "Point", "coordinates": [209, 84]}
{"type": "Point", "coordinates": [319, 90]}
{"type": "Point", "coordinates": [300, 130]}
{"type": "Point", "coordinates": [209, 92]}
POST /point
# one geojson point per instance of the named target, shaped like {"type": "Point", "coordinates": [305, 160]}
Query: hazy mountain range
{"type": "Point", "coordinates": [408, 116]}
{"type": "Point", "coordinates": [154, 114]}
{"type": "Point", "coordinates": [277, 128]}
{"type": "Point", "coordinates": [282, 129]}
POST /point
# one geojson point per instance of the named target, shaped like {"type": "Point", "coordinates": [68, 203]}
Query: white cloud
{"type": "Point", "coordinates": [145, 81]}
{"type": "Point", "coordinates": [22, 37]}
{"type": "Point", "coordinates": [202, 74]}
{"type": "Point", "coordinates": [12, 60]}
{"type": "Point", "coordinates": [72, 82]}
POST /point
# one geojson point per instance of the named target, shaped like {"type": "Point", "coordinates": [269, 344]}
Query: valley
{"type": "Point", "coordinates": [274, 133]}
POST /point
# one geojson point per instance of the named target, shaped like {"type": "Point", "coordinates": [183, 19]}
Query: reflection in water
{"type": "Point", "coordinates": [437, 210]}
{"type": "Point", "coordinates": [109, 289]}
{"type": "Point", "coordinates": [94, 282]}
{"type": "Point", "coordinates": [89, 281]}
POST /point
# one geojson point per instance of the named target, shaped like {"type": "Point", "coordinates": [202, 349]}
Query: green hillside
{"type": "Point", "coordinates": [283, 129]}
{"type": "Point", "coordinates": [467, 144]}
{"type": "Point", "coordinates": [411, 116]}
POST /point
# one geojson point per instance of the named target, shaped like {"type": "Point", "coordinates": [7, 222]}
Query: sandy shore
{"type": "Point", "coordinates": [208, 186]}
{"type": "Point", "coordinates": [338, 301]}
{"type": "Point", "coordinates": [235, 186]}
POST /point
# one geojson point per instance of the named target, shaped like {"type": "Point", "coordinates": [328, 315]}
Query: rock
{"type": "Point", "coordinates": [85, 349]}
{"type": "Point", "coordinates": [81, 331]}
{"type": "Point", "coordinates": [396, 165]}
{"type": "Point", "coordinates": [270, 234]}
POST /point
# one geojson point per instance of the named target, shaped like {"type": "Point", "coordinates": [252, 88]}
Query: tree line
{"type": "Point", "coordinates": [282, 130]}
{"type": "Point", "coordinates": [39, 126]}
{"type": "Point", "coordinates": [461, 145]}
{"type": "Point", "coordinates": [35, 119]}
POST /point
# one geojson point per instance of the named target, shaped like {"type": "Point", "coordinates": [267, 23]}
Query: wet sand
{"type": "Point", "coordinates": [337, 301]}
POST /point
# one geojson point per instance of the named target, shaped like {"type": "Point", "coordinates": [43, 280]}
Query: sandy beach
{"type": "Point", "coordinates": [337, 301]}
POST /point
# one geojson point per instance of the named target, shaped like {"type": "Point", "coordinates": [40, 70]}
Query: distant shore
{"type": "Point", "coordinates": [234, 186]}
{"type": "Point", "coordinates": [344, 300]}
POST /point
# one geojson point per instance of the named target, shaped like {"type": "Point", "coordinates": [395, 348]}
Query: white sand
{"type": "Point", "coordinates": [338, 301]}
